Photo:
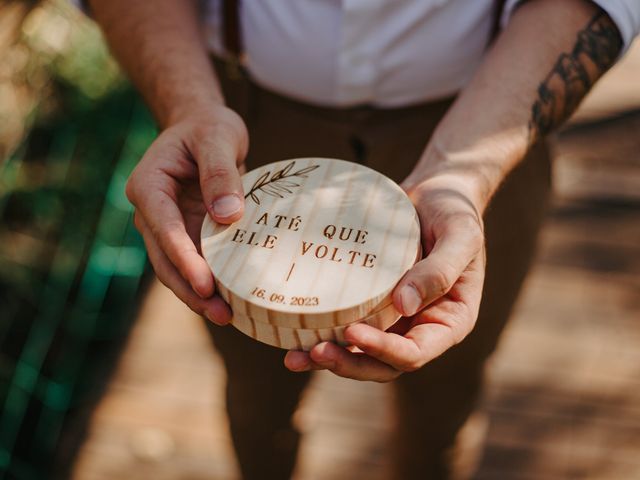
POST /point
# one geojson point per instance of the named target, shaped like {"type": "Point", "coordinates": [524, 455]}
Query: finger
{"type": "Point", "coordinates": [217, 156]}
{"type": "Point", "coordinates": [423, 343]}
{"type": "Point", "coordinates": [357, 366]}
{"type": "Point", "coordinates": [434, 276]}
{"type": "Point", "coordinates": [298, 361]}
{"type": "Point", "coordinates": [213, 308]}
{"type": "Point", "coordinates": [401, 353]}
{"type": "Point", "coordinates": [433, 339]}
{"type": "Point", "coordinates": [164, 220]}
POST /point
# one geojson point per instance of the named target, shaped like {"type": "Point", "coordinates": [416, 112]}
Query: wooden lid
{"type": "Point", "coordinates": [322, 243]}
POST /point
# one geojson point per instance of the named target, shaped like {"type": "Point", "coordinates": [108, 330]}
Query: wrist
{"type": "Point", "coordinates": [218, 124]}
{"type": "Point", "coordinates": [203, 110]}
{"type": "Point", "coordinates": [474, 172]}
{"type": "Point", "coordinates": [210, 116]}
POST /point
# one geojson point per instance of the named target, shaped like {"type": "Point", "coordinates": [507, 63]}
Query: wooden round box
{"type": "Point", "coordinates": [321, 245]}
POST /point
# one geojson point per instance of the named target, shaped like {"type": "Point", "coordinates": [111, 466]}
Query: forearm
{"type": "Point", "coordinates": [158, 44]}
{"type": "Point", "coordinates": [534, 77]}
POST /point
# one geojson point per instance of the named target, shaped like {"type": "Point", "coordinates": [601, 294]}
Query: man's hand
{"type": "Point", "coordinates": [439, 297]}
{"type": "Point", "coordinates": [527, 85]}
{"type": "Point", "coordinates": [191, 169]}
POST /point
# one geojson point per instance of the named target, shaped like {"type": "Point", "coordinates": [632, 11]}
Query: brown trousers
{"type": "Point", "coordinates": [435, 401]}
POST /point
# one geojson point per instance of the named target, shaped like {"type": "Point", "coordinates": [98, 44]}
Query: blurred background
{"type": "Point", "coordinates": [105, 375]}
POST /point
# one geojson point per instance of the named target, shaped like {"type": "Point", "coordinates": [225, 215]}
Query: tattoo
{"type": "Point", "coordinates": [573, 75]}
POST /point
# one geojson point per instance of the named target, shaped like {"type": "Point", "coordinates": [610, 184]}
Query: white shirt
{"type": "Point", "coordinates": [381, 52]}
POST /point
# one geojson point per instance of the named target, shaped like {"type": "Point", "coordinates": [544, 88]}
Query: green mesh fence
{"type": "Point", "coordinates": [71, 265]}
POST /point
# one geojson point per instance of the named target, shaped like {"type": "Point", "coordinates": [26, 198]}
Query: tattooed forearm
{"type": "Point", "coordinates": [573, 75]}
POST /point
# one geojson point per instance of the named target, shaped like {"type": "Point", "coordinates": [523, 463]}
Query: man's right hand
{"type": "Point", "coordinates": [190, 170]}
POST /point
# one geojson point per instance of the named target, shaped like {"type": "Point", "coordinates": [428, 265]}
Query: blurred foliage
{"type": "Point", "coordinates": [71, 264]}
{"type": "Point", "coordinates": [44, 45]}
{"type": "Point", "coordinates": [71, 131]}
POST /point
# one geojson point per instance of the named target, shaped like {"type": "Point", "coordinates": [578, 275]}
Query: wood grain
{"type": "Point", "coordinates": [304, 338]}
{"type": "Point", "coordinates": [322, 244]}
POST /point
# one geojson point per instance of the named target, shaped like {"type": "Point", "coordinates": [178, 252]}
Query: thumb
{"type": "Point", "coordinates": [217, 157]}
{"type": "Point", "coordinates": [434, 276]}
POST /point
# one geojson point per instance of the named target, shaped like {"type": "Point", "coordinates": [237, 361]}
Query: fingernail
{"type": "Point", "coordinates": [226, 206]}
{"type": "Point", "coordinates": [303, 367]}
{"type": "Point", "coordinates": [298, 363]}
{"type": "Point", "coordinates": [410, 299]}
{"type": "Point", "coordinates": [201, 290]}
{"type": "Point", "coordinates": [357, 335]}
{"type": "Point", "coordinates": [324, 356]}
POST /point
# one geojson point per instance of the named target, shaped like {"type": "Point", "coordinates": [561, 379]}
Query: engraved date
{"type": "Point", "coordinates": [281, 299]}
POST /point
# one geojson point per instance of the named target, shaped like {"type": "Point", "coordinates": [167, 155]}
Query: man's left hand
{"type": "Point", "coordinates": [439, 297]}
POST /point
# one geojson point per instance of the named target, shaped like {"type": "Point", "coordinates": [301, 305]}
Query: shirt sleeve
{"type": "Point", "coordinates": [624, 13]}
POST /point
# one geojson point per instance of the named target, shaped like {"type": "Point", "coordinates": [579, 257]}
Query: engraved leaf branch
{"type": "Point", "coordinates": [280, 183]}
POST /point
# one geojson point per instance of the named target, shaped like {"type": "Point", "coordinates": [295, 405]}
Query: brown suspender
{"type": "Point", "coordinates": [231, 28]}
{"type": "Point", "coordinates": [497, 15]}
